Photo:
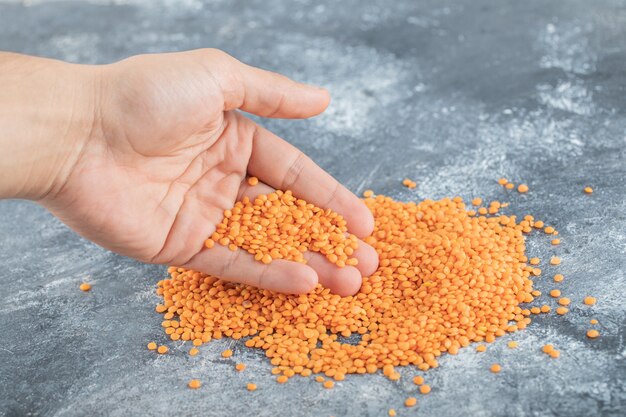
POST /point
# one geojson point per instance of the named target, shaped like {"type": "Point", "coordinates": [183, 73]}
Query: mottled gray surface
{"type": "Point", "coordinates": [453, 94]}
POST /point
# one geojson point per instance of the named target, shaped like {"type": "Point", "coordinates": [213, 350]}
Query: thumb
{"type": "Point", "coordinates": [261, 92]}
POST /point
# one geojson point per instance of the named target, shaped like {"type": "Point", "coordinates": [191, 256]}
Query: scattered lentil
{"type": "Point", "coordinates": [555, 293]}
{"type": "Point", "coordinates": [418, 380]}
{"type": "Point", "coordinates": [408, 183]}
{"type": "Point", "coordinates": [425, 389]}
{"type": "Point", "coordinates": [152, 346]}
{"type": "Point", "coordinates": [227, 353]}
{"type": "Point", "coordinates": [555, 260]}
{"type": "Point", "coordinates": [558, 278]}
{"type": "Point", "coordinates": [392, 412]}
{"type": "Point", "coordinates": [564, 301]}
{"type": "Point", "coordinates": [593, 321]}
{"type": "Point", "coordinates": [593, 333]}
{"type": "Point", "coordinates": [253, 181]}
{"type": "Point", "coordinates": [193, 351]}
{"type": "Point", "coordinates": [588, 190]}
{"type": "Point", "coordinates": [589, 300]}
{"type": "Point", "coordinates": [522, 188]}
{"type": "Point", "coordinates": [240, 367]}
{"type": "Point", "coordinates": [162, 349]}
{"type": "Point", "coordinates": [251, 387]}
{"type": "Point", "coordinates": [512, 344]}
{"type": "Point", "coordinates": [368, 193]}
{"type": "Point", "coordinates": [329, 384]}
{"type": "Point", "coordinates": [194, 384]}
{"type": "Point", "coordinates": [561, 310]}
{"type": "Point", "coordinates": [555, 241]}
{"type": "Point", "coordinates": [410, 402]}
{"type": "Point", "coordinates": [495, 368]}
{"type": "Point", "coordinates": [85, 287]}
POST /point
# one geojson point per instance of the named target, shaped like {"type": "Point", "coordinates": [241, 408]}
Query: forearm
{"type": "Point", "coordinates": [47, 113]}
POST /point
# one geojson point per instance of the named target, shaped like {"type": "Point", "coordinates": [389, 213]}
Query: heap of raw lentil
{"type": "Point", "coordinates": [447, 277]}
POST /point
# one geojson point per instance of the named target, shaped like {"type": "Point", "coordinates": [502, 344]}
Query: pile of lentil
{"type": "Point", "coordinates": [447, 277]}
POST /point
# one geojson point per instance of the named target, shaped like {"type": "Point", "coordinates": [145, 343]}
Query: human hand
{"type": "Point", "coordinates": [167, 152]}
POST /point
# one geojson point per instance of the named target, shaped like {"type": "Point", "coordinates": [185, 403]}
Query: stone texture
{"type": "Point", "coordinates": [453, 94]}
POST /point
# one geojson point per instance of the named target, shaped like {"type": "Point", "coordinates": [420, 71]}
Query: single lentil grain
{"type": "Point", "coordinates": [555, 260]}
{"type": "Point", "coordinates": [425, 389]}
{"type": "Point", "coordinates": [554, 353]}
{"type": "Point", "coordinates": [227, 353]}
{"type": "Point", "coordinates": [251, 387]}
{"type": "Point", "coordinates": [240, 367]}
{"type": "Point", "coordinates": [253, 181]}
{"type": "Point", "coordinates": [194, 384]}
{"type": "Point", "coordinates": [418, 380]}
{"type": "Point", "coordinates": [410, 402]}
{"type": "Point", "coordinates": [329, 384]}
{"type": "Point", "coordinates": [152, 346]}
{"type": "Point", "coordinates": [593, 321]}
{"type": "Point", "coordinates": [588, 190]}
{"type": "Point", "coordinates": [561, 310]}
{"type": "Point", "coordinates": [564, 301]}
{"type": "Point", "coordinates": [555, 241]}
{"type": "Point", "coordinates": [368, 193]}
{"type": "Point", "coordinates": [85, 286]}
{"type": "Point", "coordinates": [558, 278]}
{"type": "Point", "coordinates": [522, 188]}
{"type": "Point", "coordinates": [193, 351]}
{"type": "Point", "coordinates": [392, 412]}
{"type": "Point", "coordinates": [555, 293]}
{"type": "Point", "coordinates": [162, 349]}
{"type": "Point", "coordinates": [495, 368]}
{"type": "Point", "coordinates": [589, 300]}
{"type": "Point", "coordinates": [593, 333]}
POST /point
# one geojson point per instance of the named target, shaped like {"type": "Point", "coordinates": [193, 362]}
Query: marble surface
{"type": "Point", "coordinates": [451, 93]}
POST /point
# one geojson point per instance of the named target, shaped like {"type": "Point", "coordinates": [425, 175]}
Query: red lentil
{"type": "Point", "coordinates": [194, 384]}
{"type": "Point", "coordinates": [589, 301]}
{"type": "Point", "coordinates": [431, 253]}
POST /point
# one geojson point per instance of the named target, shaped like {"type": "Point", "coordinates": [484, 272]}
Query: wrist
{"type": "Point", "coordinates": [48, 112]}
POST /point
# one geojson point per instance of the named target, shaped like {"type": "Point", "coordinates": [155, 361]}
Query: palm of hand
{"type": "Point", "coordinates": [156, 188]}
{"type": "Point", "coordinates": [169, 155]}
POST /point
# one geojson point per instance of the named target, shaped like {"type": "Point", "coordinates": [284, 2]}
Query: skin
{"type": "Point", "coordinates": [143, 156]}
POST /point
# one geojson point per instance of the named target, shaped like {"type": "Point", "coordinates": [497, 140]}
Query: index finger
{"type": "Point", "coordinates": [284, 167]}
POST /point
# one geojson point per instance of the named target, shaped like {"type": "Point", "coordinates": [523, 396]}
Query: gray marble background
{"type": "Point", "coordinates": [451, 93]}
